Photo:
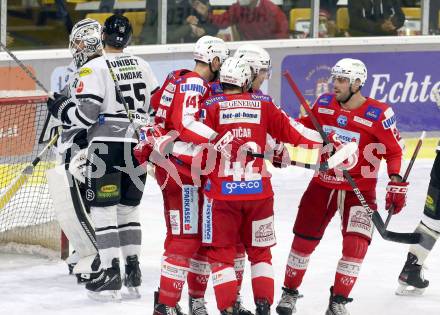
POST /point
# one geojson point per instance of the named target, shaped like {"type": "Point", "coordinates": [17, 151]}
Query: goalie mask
{"type": "Point", "coordinates": [117, 31]}
{"type": "Point", "coordinates": [85, 41]}
{"type": "Point", "coordinates": [257, 58]}
{"type": "Point", "coordinates": [235, 71]}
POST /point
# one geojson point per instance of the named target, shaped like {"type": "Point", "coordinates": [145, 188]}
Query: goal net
{"type": "Point", "coordinates": [27, 220]}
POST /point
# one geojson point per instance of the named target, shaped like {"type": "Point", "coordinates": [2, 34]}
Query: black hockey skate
{"type": "Point", "coordinates": [107, 286]}
{"type": "Point", "coordinates": [263, 307]}
{"type": "Point", "coordinates": [133, 278]}
{"type": "Point", "coordinates": [197, 306]}
{"type": "Point", "coordinates": [240, 308]}
{"type": "Point", "coordinates": [156, 303]}
{"type": "Point", "coordinates": [336, 305]}
{"type": "Point", "coordinates": [411, 281]}
{"type": "Point", "coordinates": [162, 309]}
{"type": "Point", "coordinates": [233, 312]}
{"type": "Point", "coordinates": [287, 304]}
{"type": "Point", "coordinates": [83, 278]}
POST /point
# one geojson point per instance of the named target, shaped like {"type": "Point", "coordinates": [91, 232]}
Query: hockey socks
{"type": "Point", "coordinates": [263, 282]}
{"type": "Point", "coordinates": [225, 285]}
{"type": "Point", "coordinates": [198, 276]}
{"type": "Point", "coordinates": [298, 261]}
{"type": "Point", "coordinates": [353, 252]}
{"type": "Point", "coordinates": [172, 279]}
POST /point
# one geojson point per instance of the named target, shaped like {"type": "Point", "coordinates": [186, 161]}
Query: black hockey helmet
{"type": "Point", "coordinates": [117, 31]}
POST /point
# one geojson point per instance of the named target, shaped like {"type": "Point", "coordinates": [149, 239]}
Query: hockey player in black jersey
{"type": "Point", "coordinates": [411, 280]}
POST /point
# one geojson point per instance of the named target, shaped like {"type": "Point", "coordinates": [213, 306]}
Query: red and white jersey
{"type": "Point", "coordinates": [249, 117]}
{"type": "Point", "coordinates": [373, 127]}
{"type": "Point", "coordinates": [178, 103]}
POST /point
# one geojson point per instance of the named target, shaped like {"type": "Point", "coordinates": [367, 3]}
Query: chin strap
{"type": "Point", "coordinates": [351, 94]}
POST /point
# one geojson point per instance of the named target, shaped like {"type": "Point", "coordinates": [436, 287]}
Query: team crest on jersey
{"type": "Point", "coordinates": [373, 113]}
{"type": "Point", "coordinates": [342, 121]}
{"type": "Point", "coordinates": [325, 100]}
{"type": "Point", "coordinates": [216, 88]}
{"type": "Point", "coordinates": [85, 72]}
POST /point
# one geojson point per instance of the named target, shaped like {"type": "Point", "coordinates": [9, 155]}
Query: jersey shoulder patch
{"type": "Point", "coordinates": [373, 112]}
{"type": "Point", "coordinates": [215, 99]}
{"type": "Point", "coordinates": [261, 97]}
{"type": "Point", "coordinates": [324, 99]}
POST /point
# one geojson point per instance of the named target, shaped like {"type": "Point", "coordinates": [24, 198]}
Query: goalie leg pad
{"type": "Point", "coordinates": [70, 211]}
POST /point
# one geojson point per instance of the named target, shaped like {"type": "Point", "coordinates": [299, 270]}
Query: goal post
{"type": "Point", "coordinates": [27, 219]}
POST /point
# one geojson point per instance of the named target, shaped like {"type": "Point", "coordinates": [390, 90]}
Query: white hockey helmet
{"type": "Point", "coordinates": [257, 58]}
{"type": "Point", "coordinates": [236, 71]}
{"type": "Point", "coordinates": [352, 69]}
{"type": "Point", "coordinates": [209, 47]}
{"type": "Point", "coordinates": [85, 41]}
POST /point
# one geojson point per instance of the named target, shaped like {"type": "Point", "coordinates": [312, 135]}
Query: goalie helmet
{"type": "Point", "coordinates": [257, 58]}
{"type": "Point", "coordinates": [236, 72]}
{"type": "Point", "coordinates": [85, 41]}
{"type": "Point", "coordinates": [209, 47]}
{"type": "Point", "coordinates": [352, 69]}
{"type": "Point", "coordinates": [117, 31]}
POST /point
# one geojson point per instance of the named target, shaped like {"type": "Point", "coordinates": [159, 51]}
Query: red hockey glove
{"type": "Point", "coordinates": [222, 141]}
{"type": "Point", "coordinates": [333, 138]}
{"type": "Point", "coordinates": [396, 196]}
{"type": "Point", "coordinates": [153, 139]}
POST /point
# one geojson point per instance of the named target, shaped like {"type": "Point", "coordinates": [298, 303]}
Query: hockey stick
{"type": "Point", "coordinates": [119, 92]}
{"type": "Point", "coordinates": [16, 184]}
{"type": "Point", "coordinates": [407, 238]}
{"type": "Point", "coordinates": [408, 169]}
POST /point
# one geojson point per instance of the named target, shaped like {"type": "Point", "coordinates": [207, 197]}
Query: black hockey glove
{"type": "Point", "coordinates": [59, 105]}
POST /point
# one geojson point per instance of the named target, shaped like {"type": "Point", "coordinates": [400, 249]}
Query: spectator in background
{"type": "Point", "coordinates": [184, 23]}
{"type": "Point", "coordinates": [375, 17]}
{"type": "Point", "coordinates": [255, 19]}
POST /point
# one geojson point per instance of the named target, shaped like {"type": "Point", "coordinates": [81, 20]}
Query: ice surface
{"type": "Point", "coordinates": [36, 286]}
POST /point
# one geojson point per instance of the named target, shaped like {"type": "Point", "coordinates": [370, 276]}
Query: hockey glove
{"type": "Point", "coordinates": [154, 139]}
{"type": "Point", "coordinates": [77, 165]}
{"type": "Point", "coordinates": [396, 196]}
{"type": "Point", "coordinates": [227, 144]}
{"type": "Point", "coordinates": [59, 105]}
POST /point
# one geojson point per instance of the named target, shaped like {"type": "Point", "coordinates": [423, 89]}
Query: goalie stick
{"type": "Point", "coordinates": [408, 170]}
{"type": "Point", "coordinates": [406, 238]}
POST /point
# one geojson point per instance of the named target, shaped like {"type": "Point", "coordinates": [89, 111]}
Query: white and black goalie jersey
{"type": "Point", "coordinates": [98, 106]}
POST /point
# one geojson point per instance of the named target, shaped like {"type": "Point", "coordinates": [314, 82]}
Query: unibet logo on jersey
{"type": "Point", "coordinates": [190, 206]}
{"type": "Point", "coordinates": [242, 187]}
